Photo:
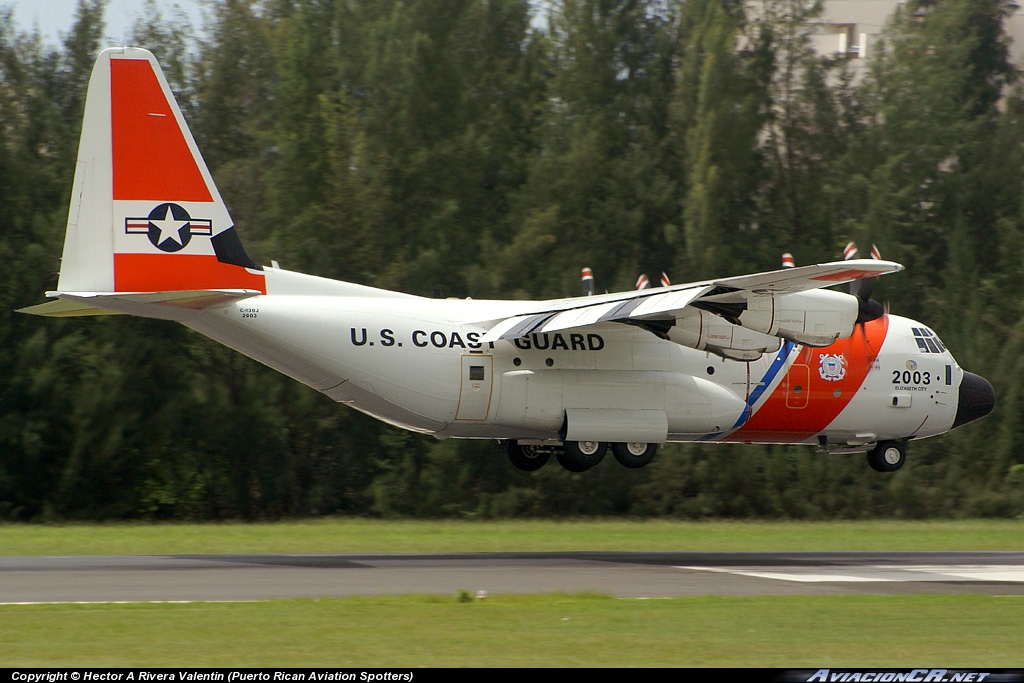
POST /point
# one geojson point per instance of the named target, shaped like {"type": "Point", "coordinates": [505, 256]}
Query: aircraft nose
{"type": "Point", "coordinates": [977, 398]}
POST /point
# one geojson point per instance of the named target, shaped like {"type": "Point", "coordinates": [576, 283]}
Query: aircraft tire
{"type": "Point", "coordinates": [526, 458]}
{"type": "Point", "coordinates": [580, 456]}
{"type": "Point", "coordinates": [887, 456]}
{"type": "Point", "coordinates": [634, 455]}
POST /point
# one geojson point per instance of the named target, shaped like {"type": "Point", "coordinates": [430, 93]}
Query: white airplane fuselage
{"type": "Point", "coordinates": [409, 361]}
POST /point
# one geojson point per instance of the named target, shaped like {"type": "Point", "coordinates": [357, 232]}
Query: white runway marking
{"type": "Point", "coordinates": [978, 572]}
{"type": "Point", "coordinates": [879, 573]}
{"type": "Point", "coordinates": [794, 574]}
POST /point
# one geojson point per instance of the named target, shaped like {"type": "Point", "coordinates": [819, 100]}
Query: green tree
{"type": "Point", "coordinates": [720, 111]}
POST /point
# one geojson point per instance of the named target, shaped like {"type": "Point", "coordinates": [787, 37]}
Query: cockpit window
{"type": "Point", "coordinates": [927, 341]}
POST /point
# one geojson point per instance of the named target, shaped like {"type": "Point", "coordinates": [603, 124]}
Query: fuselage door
{"type": "Point", "coordinates": [475, 390]}
{"type": "Point", "coordinates": [798, 386]}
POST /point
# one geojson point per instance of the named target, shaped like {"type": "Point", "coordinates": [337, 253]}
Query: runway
{"type": "Point", "coordinates": [131, 578]}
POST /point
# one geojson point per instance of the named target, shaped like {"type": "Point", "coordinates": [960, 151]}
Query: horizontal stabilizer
{"type": "Point", "coordinates": [70, 304]}
{"type": "Point", "coordinates": [64, 308]}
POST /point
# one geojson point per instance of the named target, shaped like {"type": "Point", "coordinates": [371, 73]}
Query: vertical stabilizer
{"type": "Point", "coordinates": [145, 214]}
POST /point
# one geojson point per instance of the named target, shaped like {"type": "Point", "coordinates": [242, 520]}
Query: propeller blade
{"type": "Point", "coordinates": [588, 282]}
{"type": "Point", "coordinates": [871, 310]}
{"type": "Point", "coordinates": [862, 289]}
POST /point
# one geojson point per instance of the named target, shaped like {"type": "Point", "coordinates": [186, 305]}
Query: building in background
{"type": "Point", "coordinates": [855, 27]}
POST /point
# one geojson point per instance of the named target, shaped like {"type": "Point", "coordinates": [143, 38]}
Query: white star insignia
{"type": "Point", "coordinates": [168, 227]}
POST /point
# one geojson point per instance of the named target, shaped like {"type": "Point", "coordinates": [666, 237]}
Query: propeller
{"type": "Point", "coordinates": [587, 277]}
{"type": "Point", "coordinates": [862, 289]}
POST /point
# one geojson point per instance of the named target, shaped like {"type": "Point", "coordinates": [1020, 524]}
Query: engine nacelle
{"type": "Point", "coordinates": [706, 331]}
{"type": "Point", "coordinates": [816, 318]}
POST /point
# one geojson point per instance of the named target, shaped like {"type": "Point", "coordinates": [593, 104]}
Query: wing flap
{"type": "Point", "coordinates": [515, 327]}
{"type": "Point", "coordinates": [581, 317]}
{"type": "Point", "coordinates": [585, 314]}
{"type": "Point", "coordinates": [671, 302]}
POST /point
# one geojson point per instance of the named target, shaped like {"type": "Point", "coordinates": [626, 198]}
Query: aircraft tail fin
{"type": "Point", "coordinates": [145, 213]}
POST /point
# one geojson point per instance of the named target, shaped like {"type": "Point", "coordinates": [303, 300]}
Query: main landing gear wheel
{"type": "Point", "coordinates": [634, 454]}
{"type": "Point", "coordinates": [526, 458]}
{"type": "Point", "coordinates": [580, 456]}
{"type": "Point", "coordinates": [887, 456]}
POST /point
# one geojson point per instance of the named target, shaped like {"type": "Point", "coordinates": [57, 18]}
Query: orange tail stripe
{"type": "Point", "coordinates": [177, 272]}
{"type": "Point", "coordinates": [152, 160]}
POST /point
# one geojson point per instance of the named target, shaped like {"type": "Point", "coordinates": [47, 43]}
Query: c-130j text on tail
{"type": "Point", "coordinates": [765, 358]}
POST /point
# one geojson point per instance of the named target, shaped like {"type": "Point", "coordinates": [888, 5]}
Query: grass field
{"type": "Point", "coordinates": [374, 536]}
{"type": "Point", "coordinates": [525, 631]}
{"type": "Point", "coordinates": [967, 631]}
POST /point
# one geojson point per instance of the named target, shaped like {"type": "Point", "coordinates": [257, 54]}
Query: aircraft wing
{"type": "Point", "coordinates": [804, 278]}
{"type": "Point", "coordinates": [734, 294]}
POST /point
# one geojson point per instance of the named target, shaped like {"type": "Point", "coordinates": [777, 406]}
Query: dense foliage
{"type": "Point", "coordinates": [491, 148]}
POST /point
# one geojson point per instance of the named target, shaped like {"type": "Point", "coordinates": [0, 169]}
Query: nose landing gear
{"type": "Point", "coordinates": [887, 456]}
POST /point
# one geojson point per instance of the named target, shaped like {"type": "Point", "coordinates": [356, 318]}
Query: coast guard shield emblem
{"type": "Point", "coordinates": [833, 367]}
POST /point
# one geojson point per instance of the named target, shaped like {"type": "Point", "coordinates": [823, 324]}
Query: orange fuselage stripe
{"type": "Point", "coordinates": [805, 403]}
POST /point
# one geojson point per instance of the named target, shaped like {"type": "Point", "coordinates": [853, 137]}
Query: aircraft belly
{"type": "Point", "coordinates": [368, 368]}
{"type": "Point", "coordinates": [654, 403]}
{"type": "Point", "coordinates": [265, 351]}
{"type": "Point", "coordinates": [364, 398]}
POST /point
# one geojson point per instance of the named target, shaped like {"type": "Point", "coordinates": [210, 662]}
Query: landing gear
{"type": "Point", "coordinates": [580, 456]}
{"type": "Point", "coordinates": [635, 454]}
{"type": "Point", "coordinates": [527, 458]}
{"type": "Point", "coordinates": [887, 456]}
{"type": "Point", "coordinates": [577, 456]}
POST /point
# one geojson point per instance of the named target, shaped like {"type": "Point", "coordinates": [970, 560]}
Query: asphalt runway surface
{"type": "Point", "coordinates": [132, 578]}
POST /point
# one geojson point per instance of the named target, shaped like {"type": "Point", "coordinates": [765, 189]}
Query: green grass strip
{"type": "Point", "coordinates": [551, 630]}
{"type": "Point", "coordinates": [375, 536]}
